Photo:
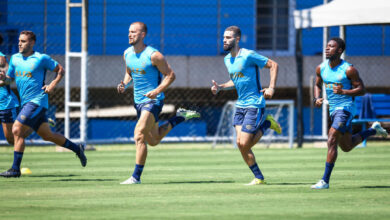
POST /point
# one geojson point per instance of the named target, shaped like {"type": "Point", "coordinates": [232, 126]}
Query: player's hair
{"type": "Point", "coordinates": [1, 39]}
{"type": "Point", "coordinates": [30, 34]}
{"type": "Point", "coordinates": [340, 43]}
{"type": "Point", "coordinates": [143, 26]}
{"type": "Point", "coordinates": [236, 30]}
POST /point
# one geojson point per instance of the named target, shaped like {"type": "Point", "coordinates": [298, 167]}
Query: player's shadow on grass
{"type": "Point", "coordinates": [376, 187]}
{"type": "Point", "coordinates": [198, 182]}
{"type": "Point", "coordinates": [83, 180]}
{"type": "Point", "coordinates": [54, 175]}
{"type": "Point", "coordinates": [286, 184]}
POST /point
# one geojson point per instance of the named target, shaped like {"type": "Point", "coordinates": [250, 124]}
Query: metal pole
{"type": "Point", "coordinates": [104, 26]}
{"type": "Point", "coordinates": [67, 70]}
{"type": "Point", "coordinates": [342, 36]}
{"type": "Point", "coordinates": [84, 72]}
{"type": "Point", "coordinates": [218, 26]}
{"type": "Point", "coordinates": [299, 61]}
{"type": "Point", "coordinates": [45, 28]}
{"type": "Point", "coordinates": [324, 107]}
{"type": "Point", "coordinates": [162, 33]}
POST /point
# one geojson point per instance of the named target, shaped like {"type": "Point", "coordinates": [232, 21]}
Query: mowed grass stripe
{"type": "Point", "coordinates": [182, 182]}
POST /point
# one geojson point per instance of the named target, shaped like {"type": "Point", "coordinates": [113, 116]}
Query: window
{"type": "Point", "coordinates": [272, 29]}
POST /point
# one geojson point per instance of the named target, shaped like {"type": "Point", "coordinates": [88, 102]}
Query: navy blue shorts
{"type": "Point", "coordinates": [249, 118]}
{"type": "Point", "coordinates": [342, 121]}
{"type": "Point", "coordinates": [9, 115]}
{"type": "Point", "coordinates": [32, 115]}
{"type": "Point", "coordinates": [151, 106]}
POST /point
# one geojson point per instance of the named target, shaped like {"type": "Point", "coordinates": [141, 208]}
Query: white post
{"type": "Point", "coordinates": [324, 107]}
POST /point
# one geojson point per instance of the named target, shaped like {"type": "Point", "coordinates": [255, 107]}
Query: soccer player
{"type": "Point", "coordinates": [9, 103]}
{"type": "Point", "coordinates": [146, 67]}
{"type": "Point", "coordinates": [342, 83]}
{"type": "Point", "coordinates": [249, 121]}
{"type": "Point", "coordinates": [28, 69]}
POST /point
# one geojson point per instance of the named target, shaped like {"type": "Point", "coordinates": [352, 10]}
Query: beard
{"type": "Point", "coordinates": [228, 47]}
{"type": "Point", "coordinates": [134, 42]}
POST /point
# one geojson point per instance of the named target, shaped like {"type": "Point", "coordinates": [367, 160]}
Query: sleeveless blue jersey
{"type": "Point", "coordinates": [29, 74]}
{"type": "Point", "coordinates": [8, 99]}
{"type": "Point", "coordinates": [146, 77]}
{"type": "Point", "coordinates": [244, 72]}
{"type": "Point", "coordinates": [337, 76]}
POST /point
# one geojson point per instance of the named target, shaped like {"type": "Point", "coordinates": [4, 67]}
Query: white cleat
{"type": "Point", "coordinates": [187, 114]}
{"type": "Point", "coordinates": [379, 130]}
{"type": "Point", "coordinates": [320, 185]}
{"type": "Point", "coordinates": [131, 180]}
{"type": "Point", "coordinates": [256, 181]}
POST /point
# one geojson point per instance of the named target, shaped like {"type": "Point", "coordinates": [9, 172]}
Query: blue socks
{"type": "Point", "coordinates": [71, 146]}
{"type": "Point", "coordinates": [367, 133]}
{"type": "Point", "coordinates": [266, 124]}
{"type": "Point", "coordinates": [256, 171]}
{"type": "Point", "coordinates": [138, 171]}
{"type": "Point", "coordinates": [18, 156]}
{"type": "Point", "coordinates": [328, 171]}
{"type": "Point", "coordinates": [176, 120]}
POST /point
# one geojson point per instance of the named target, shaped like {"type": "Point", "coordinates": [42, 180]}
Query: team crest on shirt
{"type": "Point", "coordinates": [143, 65]}
{"type": "Point", "coordinates": [249, 127]}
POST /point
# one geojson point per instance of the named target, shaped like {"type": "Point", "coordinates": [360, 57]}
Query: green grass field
{"type": "Point", "coordinates": [192, 181]}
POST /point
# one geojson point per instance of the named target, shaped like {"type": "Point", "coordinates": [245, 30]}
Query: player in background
{"type": "Point", "coordinates": [146, 67]}
{"type": "Point", "coordinates": [28, 69]}
{"type": "Point", "coordinates": [9, 103]}
{"type": "Point", "coordinates": [342, 83]}
{"type": "Point", "coordinates": [249, 121]}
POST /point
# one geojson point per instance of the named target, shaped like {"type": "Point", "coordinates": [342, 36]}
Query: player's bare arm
{"type": "Point", "coordinates": [357, 84]}
{"type": "Point", "coordinates": [225, 86]}
{"type": "Point", "coordinates": [60, 74]}
{"type": "Point", "coordinates": [273, 69]}
{"type": "Point", "coordinates": [126, 82]}
{"type": "Point", "coordinates": [159, 61]}
{"type": "Point", "coordinates": [318, 88]}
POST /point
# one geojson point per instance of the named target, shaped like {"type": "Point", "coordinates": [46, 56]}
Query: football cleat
{"type": "Point", "coordinates": [11, 173]}
{"type": "Point", "coordinates": [379, 130]}
{"type": "Point", "coordinates": [51, 122]}
{"type": "Point", "coordinates": [274, 124]}
{"type": "Point", "coordinates": [131, 180]}
{"type": "Point", "coordinates": [81, 155]}
{"type": "Point", "coordinates": [320, 185]}
{"type": "Point", "coordinates": [187, 114]}
{"type": "Point", "coordinates": [256, 181]}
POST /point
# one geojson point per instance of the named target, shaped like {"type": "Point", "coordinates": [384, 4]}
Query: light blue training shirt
{"type": "Point", "coordinates": [29, 74]}
{"type": "Point", "coordinates": [244, 72]}
{"type": "Point", "coordinates": [146, 77]}
{"type": "Point", "coordinates": [8, 99]}
{"type": "Point", "coordinates": [337, 76]}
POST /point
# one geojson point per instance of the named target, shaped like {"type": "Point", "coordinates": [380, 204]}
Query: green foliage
{"type": "Point", "coordinates": [184, 181]}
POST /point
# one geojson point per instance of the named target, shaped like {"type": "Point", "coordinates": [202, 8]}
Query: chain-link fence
{"type": "Point", "coordinates": [189, 34]}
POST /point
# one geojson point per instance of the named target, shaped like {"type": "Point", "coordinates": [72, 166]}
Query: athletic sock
{"type": "Point", "coordinates": [138, 171]}
{"type": "Point", "coordinates": [265, 125]}
{"type": "Point", "coordinates": [176, 120]}
{"type": "Point", "coordinates": [328, 171]}
{"type": "Point", "coordinates": [256, 171]}
{"type": "Point", "coordinates": [71, 146]}
{"type": "Point", "coordinates": [18, 156]}
{"type": "Point", "coordinates": [367, 133]}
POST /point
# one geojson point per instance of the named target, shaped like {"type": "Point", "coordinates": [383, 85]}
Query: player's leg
{"type": "Point", "coordinates": [159, 132]}
{"type": "Point", "coordinates": [47, 134]}
{"type": "Point", "coordinates": [20, 132]}
{"type": "Point", "coordinates": [247, 123]}
{"type": "Point", "coordinates": [7, 129]}
{"type": "Point", "coordinates": [145, 124]}
{"type": "Point", "coordinates": [349, 141]}
{"type": "Point", "coordinates": [339, 127]}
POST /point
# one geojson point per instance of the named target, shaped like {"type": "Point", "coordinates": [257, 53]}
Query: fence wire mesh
{"type": "Point", "coordinates": [189, 34]}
